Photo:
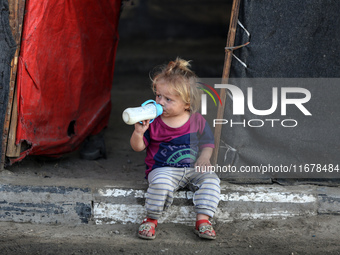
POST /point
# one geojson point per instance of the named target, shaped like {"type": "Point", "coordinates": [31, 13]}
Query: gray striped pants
{"type": "Point", "coordinates": [164, 181]}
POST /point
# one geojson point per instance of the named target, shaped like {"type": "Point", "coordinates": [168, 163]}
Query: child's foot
{"type": "Point", "coordinates": [205, 230]}
{"type": "Point", "coordinates": [147, 229]}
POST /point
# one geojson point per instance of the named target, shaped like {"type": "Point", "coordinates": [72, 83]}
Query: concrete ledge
{"type": "Point", "coordinates": [36, 204]}
{"type": "Point", "coordinates": [329, 200]}
{"type": "Point", "coordinates": [238, 202]}
{"type": "Point", "coordinates": [81, 203]}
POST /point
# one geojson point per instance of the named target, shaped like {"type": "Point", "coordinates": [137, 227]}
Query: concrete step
{"type": "Point", "coordinates": [84, 201]}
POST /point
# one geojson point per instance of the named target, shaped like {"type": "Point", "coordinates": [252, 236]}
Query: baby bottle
{"type": "Point", "coordinates": [148, 111]}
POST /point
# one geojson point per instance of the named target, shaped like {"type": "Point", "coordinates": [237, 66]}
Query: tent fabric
{"type": "Point", "coordinates": [7, 50]}
{"type": "Point", "coordinates": [288, 39]}
{"type": "Point", "coordinates": [65, 73]}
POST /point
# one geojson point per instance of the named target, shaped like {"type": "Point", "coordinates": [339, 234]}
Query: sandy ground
{"type": "Point", "coordinates": [315, 235]}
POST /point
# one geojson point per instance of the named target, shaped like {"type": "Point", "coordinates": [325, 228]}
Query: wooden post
{"type": "Point", "coordinates": [226, 70]}
{"type": "Point", "coordinates": [16, 17]}
{"type": "Point", "coordinates": [13, 150]}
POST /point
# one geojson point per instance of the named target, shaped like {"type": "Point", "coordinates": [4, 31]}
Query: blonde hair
{"type": "Point", "coordinates": [178, 75]}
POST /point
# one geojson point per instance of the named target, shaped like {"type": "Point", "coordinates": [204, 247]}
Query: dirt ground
{"type": "Point", "coordinates": [314, 235]}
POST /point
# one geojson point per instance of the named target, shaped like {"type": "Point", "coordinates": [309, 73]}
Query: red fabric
{"type": "Point", "coordinates": [65, 72]}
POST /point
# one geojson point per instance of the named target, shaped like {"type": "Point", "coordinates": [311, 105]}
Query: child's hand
{"type": "Point", "coordinates": [136, 140]}
{"type": "Point", "coordinates": [203, 162]}
{"type": "Point", "coordinates": [141, 128]}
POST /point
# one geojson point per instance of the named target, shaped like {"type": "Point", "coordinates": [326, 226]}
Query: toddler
{"type": "Point", "coordinates": [177, 143]}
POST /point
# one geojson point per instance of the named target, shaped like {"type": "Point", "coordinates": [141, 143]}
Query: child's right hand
{"type": "Point", "coordinates": [141, 128]}
{"type": "Point", "coordinates": [136, 140]}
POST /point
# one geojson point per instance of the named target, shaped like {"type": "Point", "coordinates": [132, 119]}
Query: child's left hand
{"type": "Point", "coordinates": [203, 162]}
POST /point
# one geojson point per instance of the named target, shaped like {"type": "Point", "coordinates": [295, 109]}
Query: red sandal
{"type": "Point", "coordinates": [203, 231]}
{"type": "Point", "coordinates": [148, 228]}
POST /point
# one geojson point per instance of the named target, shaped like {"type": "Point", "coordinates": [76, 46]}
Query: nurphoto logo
{"type": "Point", "coordinates": [204, 97]}
{"type": "Point", "coordinates": [238, 99]}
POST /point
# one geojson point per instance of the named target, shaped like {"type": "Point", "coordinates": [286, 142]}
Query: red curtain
{"type": "Point", "coordinates": [65, 72]}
